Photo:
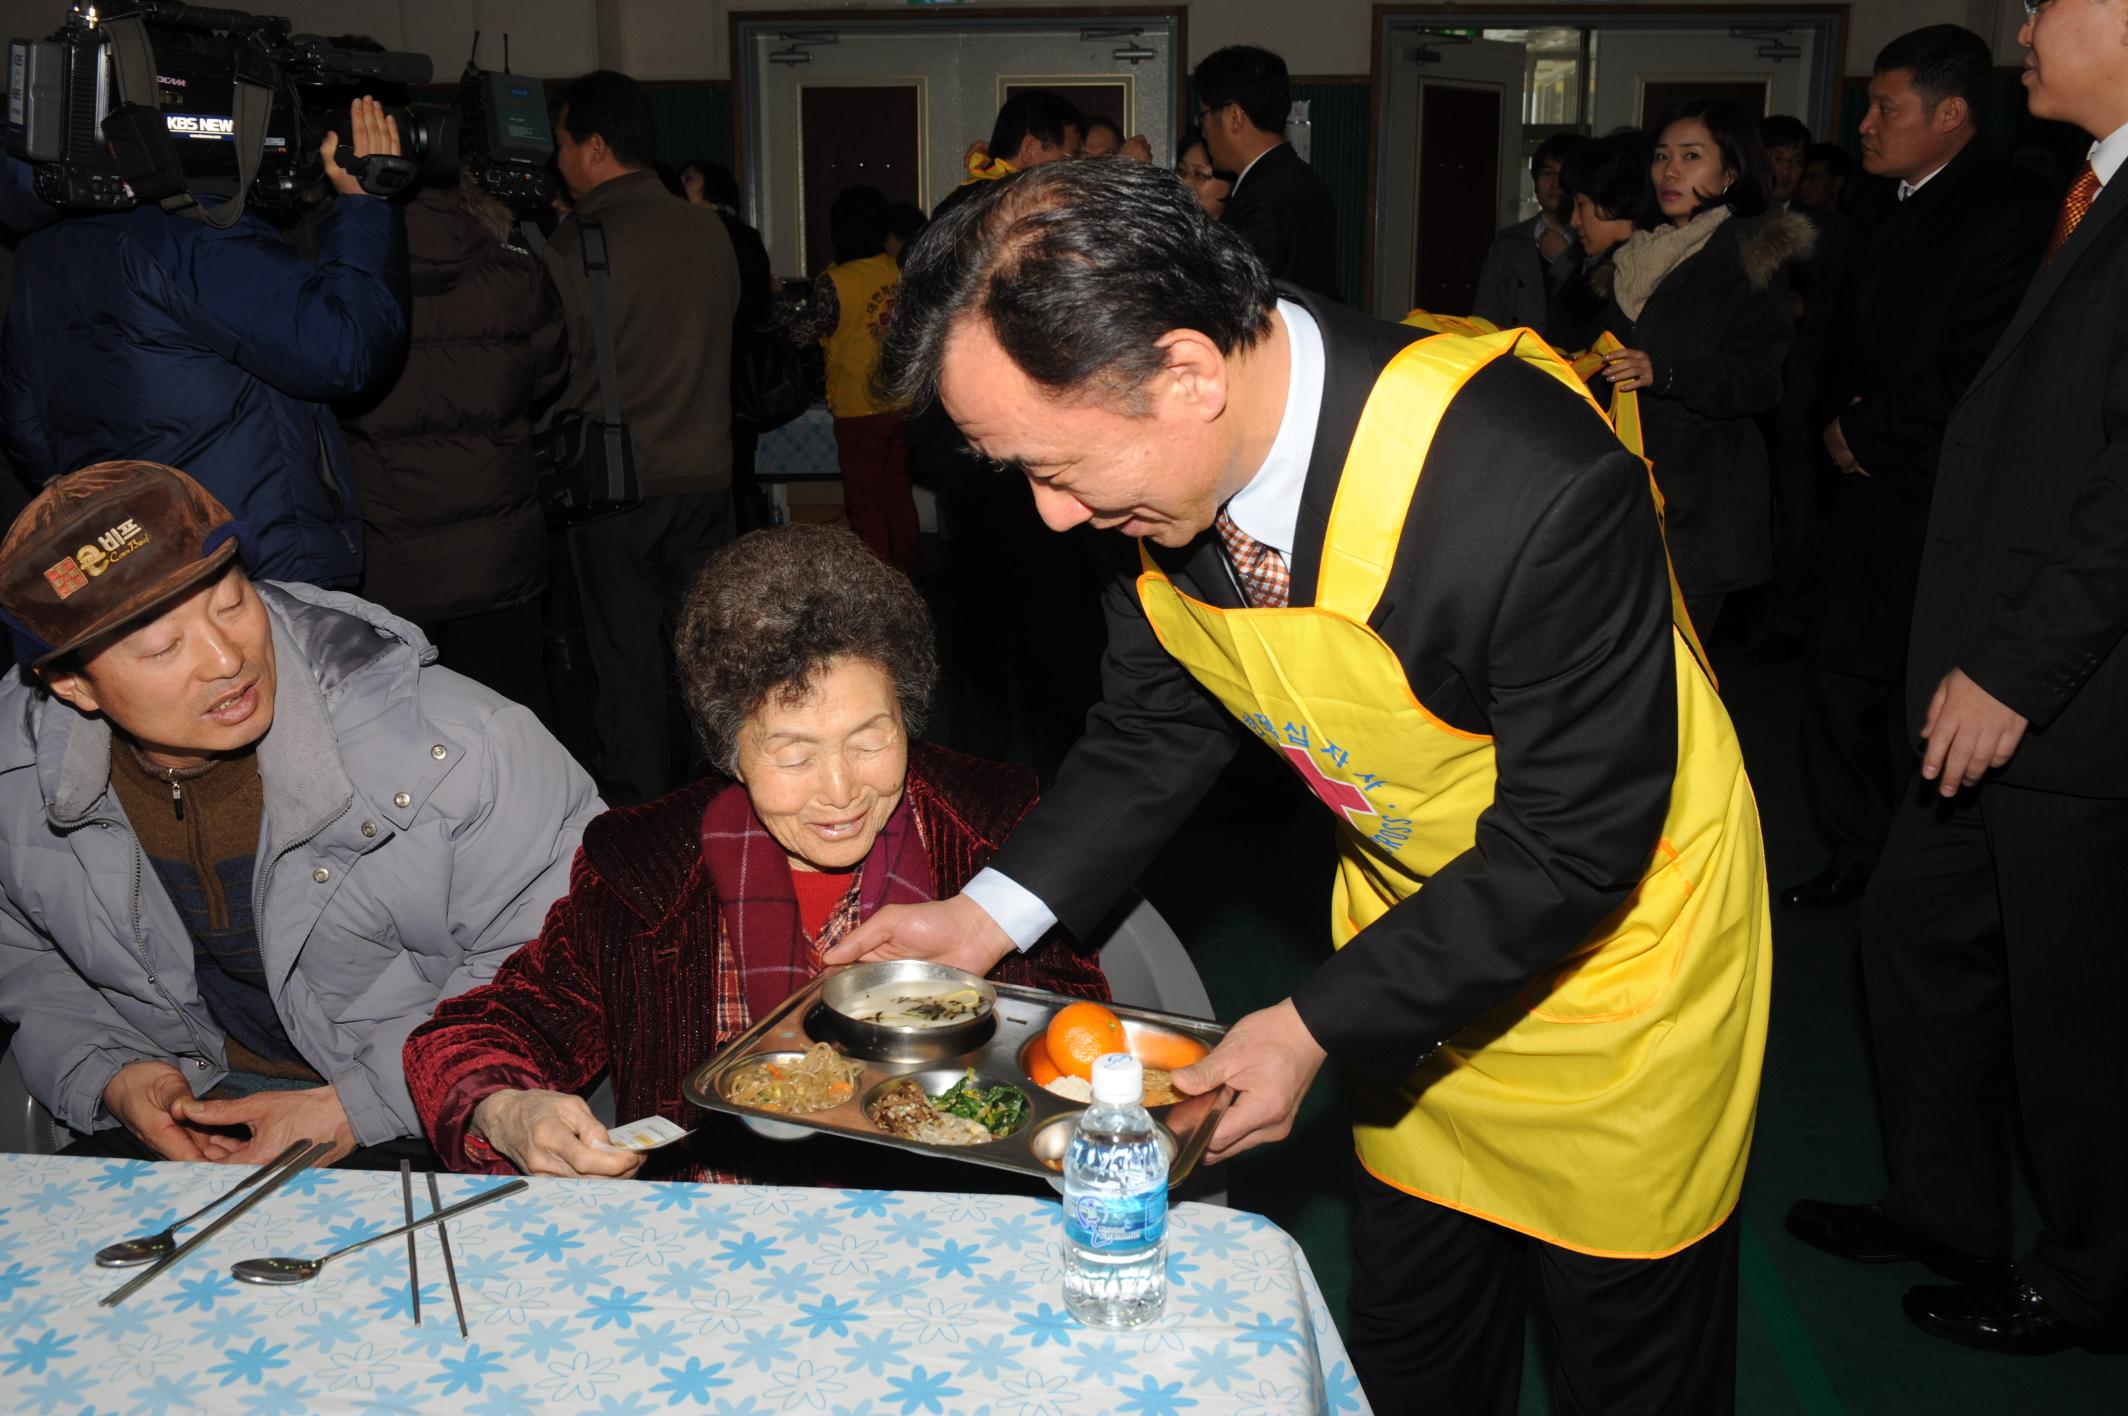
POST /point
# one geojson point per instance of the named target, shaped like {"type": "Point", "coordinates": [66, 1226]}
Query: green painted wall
{"type": "Point", "coordinates": [694, 120]}
{"type": "Point", "coordinates": [1338, 152]}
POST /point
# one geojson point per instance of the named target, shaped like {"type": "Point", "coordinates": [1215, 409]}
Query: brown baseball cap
{"type": "Point", "coordinates": [105, 546]}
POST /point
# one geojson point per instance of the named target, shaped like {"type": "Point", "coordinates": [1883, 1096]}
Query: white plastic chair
{"type": "Point", "coordinates": [26, 1128]}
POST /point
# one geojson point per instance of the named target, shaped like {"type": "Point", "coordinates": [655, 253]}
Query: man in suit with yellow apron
{"type": "Point", "coordinates": [1423, 571]}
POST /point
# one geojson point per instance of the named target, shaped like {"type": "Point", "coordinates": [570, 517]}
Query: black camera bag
{"type": "Point", "coordinates": [589, 462]}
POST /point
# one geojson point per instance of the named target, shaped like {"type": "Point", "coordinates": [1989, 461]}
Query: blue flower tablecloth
{"type": "Point", "coordinates": [617, 1296]}
{"type": "Point", "coordinates": [802, 448]}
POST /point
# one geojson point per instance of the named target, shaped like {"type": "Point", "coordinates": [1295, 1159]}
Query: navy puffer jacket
{"type": "Point", "coordinates": [144, 335]}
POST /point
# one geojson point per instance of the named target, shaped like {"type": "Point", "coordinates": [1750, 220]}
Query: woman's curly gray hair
{"type": "Point", "coordinates": [770, 610]}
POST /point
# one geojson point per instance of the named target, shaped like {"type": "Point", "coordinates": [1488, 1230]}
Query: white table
{"type": "Point", "coordinates": [618, 1296]}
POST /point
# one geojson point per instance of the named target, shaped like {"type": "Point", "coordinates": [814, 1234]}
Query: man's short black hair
{"type": "Point", "coordinates": [1835, 158]}
{"type": "Point", "coordinates": [1048, 116]}
{"type": "Point", "coordinates": [1737, 137]}
{"type": "Point", "coordinates": [615, 107]}
{"type": "Point", "coordinates": [1555, 149]}
{"type": "Point", "coordinates": [1090, 121]}
{"type": "Point", "coordinates": [1780, 130]}
{"type": "Point", "coordinates": [1077, 268]}
{"type": "Point", "coordinates": [1944, 61]}
{"type": "Point", "coordinates": [1612, 172]}
{"type": "Point", "coordinates": [1254, 78]}
{"type": "Point", "coordinates": [858, 222]}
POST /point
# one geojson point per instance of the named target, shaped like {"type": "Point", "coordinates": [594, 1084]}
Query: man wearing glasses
{"type": "Point", "coordinates": [1278, 205]}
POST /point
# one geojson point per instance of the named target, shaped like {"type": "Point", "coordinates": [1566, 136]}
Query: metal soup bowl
{"type": "Point", "coordinates": [882, 1042]}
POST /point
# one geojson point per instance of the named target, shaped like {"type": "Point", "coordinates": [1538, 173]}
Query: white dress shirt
{"type": "Point", "coordinates": [1243, 175]}
{"type": "Point", "coordinates": [1907, 189]}
{"type": "Point", "coordinates": [1267, 510]}
{"type": "Point", "coordinates": [2108, 153]}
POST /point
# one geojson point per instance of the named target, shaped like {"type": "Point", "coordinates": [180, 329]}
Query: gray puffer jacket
{"type": "Point", "coordinates": [416, 829]}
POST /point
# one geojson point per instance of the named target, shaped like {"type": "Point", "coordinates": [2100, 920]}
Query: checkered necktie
{"type": "Point", "coordinates": [2075, 207]}
{"type": "Point", "coordinates": [1262, 569]}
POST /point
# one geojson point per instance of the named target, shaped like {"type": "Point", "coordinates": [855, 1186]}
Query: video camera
{"type": "Point", "coordinates": [504, 137]}
{"type": "Point", "coordinates": [142, 100]}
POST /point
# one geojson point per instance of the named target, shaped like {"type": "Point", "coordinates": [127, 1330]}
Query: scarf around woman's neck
{"type": "Point", "coordinates": [1649, 256]}
{"type": "Point", "coordinates": [762, 951]}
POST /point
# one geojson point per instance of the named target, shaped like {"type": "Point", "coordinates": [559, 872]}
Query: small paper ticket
{"type": "Point", "coordinates": [647, 1134]}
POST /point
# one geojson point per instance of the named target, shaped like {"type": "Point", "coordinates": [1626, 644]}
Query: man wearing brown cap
{"type": "Point", "coordinates": [254, 833]}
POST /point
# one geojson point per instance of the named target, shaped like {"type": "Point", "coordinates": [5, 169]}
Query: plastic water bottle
{"type": "Point", "coordinates": [1115, 1204]}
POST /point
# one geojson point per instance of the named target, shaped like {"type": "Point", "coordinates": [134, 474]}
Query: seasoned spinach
{"type": "Point", "coordinates": [1000, 1110]}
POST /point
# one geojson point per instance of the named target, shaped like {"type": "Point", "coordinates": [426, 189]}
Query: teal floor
{"type": "Point", "coordinates": [1247, 887]}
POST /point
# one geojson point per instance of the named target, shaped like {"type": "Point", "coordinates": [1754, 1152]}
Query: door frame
{"type": "Point", "coordinates": [1399, 24]}
{"type": "Point", "coordinates": [746, 25]}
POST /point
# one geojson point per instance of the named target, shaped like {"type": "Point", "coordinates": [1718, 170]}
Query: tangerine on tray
{"type": "Point", "coordinates": [1040, 1070]}
{"type": "Point", "coordinates": [1079, 1033]}
{"type": "Point", "coordinates": [1170, 1052]}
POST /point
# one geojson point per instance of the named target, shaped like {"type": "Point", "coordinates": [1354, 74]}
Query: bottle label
{"type": "Point", "coordinates": [1116, 1224]}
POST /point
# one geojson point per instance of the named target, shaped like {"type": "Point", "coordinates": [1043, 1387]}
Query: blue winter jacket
{"type": "Point", "coordinates": [142, 334]}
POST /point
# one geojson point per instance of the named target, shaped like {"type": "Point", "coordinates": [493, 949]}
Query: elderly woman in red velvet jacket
{"type": "Point", "coordinates": [808, 665]}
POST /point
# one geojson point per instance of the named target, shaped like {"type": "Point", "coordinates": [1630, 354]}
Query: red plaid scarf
{"type": "Point", "coordinates": [763, 955]}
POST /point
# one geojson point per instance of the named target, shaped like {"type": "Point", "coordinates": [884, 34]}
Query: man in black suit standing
{"type": "Point", "coordinates": [1278, 205]}
{"type": "Point", "coordinates": [1949, 239]}
{"type": "Point", "coordinates": [1562, 1057]}
{"type": "Point", "coordinates": [1994, 948]}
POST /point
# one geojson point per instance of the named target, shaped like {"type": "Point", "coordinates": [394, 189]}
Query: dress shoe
{"type": "Point", "coordinates": [2004, 1315]}
{"type": "Point", "coordinates": [1864, 1234]}
{"type": "Point", "coordinates": [1775, 648]}
{"type": "Point", "coordinates": [1839, 883]}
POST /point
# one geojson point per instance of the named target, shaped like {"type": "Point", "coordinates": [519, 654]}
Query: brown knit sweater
{"type": "Point", "coordinates": [203, 843]}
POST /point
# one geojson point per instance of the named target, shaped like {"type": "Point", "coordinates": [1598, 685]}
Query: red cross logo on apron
{"type": "Point", "coordinates": [1338, 796]}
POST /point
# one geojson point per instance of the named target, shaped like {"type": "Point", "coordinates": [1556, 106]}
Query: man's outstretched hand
{"type": "Point", "coordinates": [1270, 1060]}
{"type": "Point", "coordinates": [958, 931]}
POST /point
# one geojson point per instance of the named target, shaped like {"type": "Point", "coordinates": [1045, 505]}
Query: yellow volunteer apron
{"type": "Point", "coordinates": [864, 291]}
{"type": "Point", "coordinates": [1609, 1108]}
{"type": "Point", "coordinates": [1623, 416]}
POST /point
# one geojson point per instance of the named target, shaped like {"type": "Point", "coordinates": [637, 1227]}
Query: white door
{"type": "Point", "coordinates": [1450, 168]}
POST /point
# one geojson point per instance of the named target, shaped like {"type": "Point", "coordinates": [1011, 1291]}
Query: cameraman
{"type": "Point", "coordinates": [145, 335]}
{"type": "Point", "coordinates": [674, 295]}
{"type": "Point", "coordinates": [455, 536]}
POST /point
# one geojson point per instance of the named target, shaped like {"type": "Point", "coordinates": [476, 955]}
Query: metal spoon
{"type": "Point", "coordinates": [132, 1253]}
{"type": "Point", "coordinates": [281, 1270]}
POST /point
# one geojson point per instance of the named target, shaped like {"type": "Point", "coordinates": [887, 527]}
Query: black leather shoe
{"type": "Point", "coordinates": [1864, 1234]}
{"type": "Point", "coordinates": [2005, 1315]}
{"type": "Point", "coordinates": [1839, 883]}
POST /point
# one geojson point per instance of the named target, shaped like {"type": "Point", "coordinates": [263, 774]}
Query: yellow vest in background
{"type": "Point", "coordinates": [1607, 1108]}
{"type": "Point", "coordinates": [865, 291]}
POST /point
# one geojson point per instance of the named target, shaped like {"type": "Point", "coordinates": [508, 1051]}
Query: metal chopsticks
{"type": "Point", "coordinates": [450, 1269]}
{"type": "Point", "coordinates": [413, 1264]}
{"type": "Point", "coordinates": [312, 1153]}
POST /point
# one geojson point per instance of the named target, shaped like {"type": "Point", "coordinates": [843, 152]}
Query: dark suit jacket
{"type": "Point", "coordinates": [1933, 281]}
{"type": "Point", "coordinates": [1528, 600]}
{"type": "Point", "coordinates": [1517, 286]}
{"type": "Point", "coordinates": [2024, 579]}
{"type": "Point", "coordinates": [1286, 214]}
{"type": "Point", "coordinates": [1716, 331]}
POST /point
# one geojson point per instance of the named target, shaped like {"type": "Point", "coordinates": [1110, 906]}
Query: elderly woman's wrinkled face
{"type": "Point", "coordinates": [825, 773]}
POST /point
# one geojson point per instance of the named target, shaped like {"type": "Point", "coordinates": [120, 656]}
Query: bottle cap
{"type": "Point", "coordinates": [1119, 1078]}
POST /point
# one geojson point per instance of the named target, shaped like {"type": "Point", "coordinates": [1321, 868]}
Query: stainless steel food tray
{"type": "Point", "coordinates": [1023, 1014]}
